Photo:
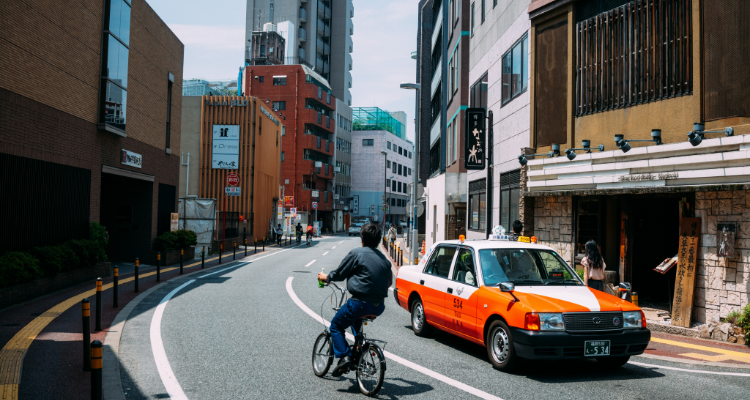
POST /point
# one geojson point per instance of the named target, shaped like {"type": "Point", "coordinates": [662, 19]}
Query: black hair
{"type": "Point", "coordinates": [371, 235]}
{"type": "Point", "coordinates": [593, 255]}
{"type": "Point", "coordinates": [517, 227]}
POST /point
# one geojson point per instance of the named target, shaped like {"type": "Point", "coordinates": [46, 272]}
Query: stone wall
{"type": "Point", "coordinates": [552, 223]}
{"type": "Point", "coordinates": [722, 284]}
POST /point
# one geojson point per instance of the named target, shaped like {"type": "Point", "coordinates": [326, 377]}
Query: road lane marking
{"type": "Point", "coordinates": [733, 355]}
{"type": "Point", "coordinates": [696, 371]}
{"type": "Point", "coordinates": [325, 253]}
{"type": "Point", "coordinates": [459, 385]}
{"type": "Point", "coordinates": [333, 247]}
{"type": "Point", "coordinates": [340, 242]}
{"type": "Point", "coordinates": [310, 263]}
{"type": "Point", "coordinates": [157, 347]}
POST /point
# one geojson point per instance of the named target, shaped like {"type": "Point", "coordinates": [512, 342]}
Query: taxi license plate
{"type": "Point", "coordinates": [596, 348]}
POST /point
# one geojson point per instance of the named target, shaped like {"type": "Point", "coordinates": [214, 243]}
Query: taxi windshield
{"type": "Point", "coordinates": [526, 267]}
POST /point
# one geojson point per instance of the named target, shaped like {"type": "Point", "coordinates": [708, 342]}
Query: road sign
{"type": "Point", "coordinates": [315, 204]}
{"type": "Point", "coordinates": [232, 191]}
{"type": "Point", "coordinates": [233, 179]}
{"type": "Point", "coordinates": [315, 193]}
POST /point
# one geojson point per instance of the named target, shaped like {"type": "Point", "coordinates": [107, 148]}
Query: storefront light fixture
{"type": "Point", "coordinates": [522, 158]}
{"type": "Point", "coordinates": [571, 154]}
{"type": "Point", "coordinates": [696, 136]}
{"type": "Point", "coordinates": [624, 145]}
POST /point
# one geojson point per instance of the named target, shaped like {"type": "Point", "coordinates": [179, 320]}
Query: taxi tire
{"type": "Point", "coordinates": [511, 361]}
{"type": "Point", "coordinates": [613, 362]}
{"type": "Point", "coordinates": [426, 328]}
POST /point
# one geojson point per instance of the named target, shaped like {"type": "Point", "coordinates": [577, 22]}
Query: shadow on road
{"type": "Point", "coordinates": [392, 387]}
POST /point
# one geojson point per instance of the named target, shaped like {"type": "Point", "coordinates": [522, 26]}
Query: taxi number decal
{"type": "Point", "coordinates": [458, 323]}
{"type": "Point", "coordinates": [458, 303]}
{"type": "Point", "coordinates": [458, 314]}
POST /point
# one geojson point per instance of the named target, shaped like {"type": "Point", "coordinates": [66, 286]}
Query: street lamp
{"type": "Point", "coordinates": [412, 244]}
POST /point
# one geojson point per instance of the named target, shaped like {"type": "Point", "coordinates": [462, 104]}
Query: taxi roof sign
{"type": "Point", "coordinates": [524, 239]}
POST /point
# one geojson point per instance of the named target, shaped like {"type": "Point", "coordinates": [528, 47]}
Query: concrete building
{"type": "Point", "coordinates": [266, 48]}
{"type": "Point", "coordinates": [91, 127]}
{"type": "Point", "coordinates": [323, 36]}
{"type": "Point", "coordinates": [342, 190]}
{"type": "Point", "coordinates": [377, 178]}
{"type": "Point", "coordinates": [303, 102]}
{"type": "Point", "coordinates": [498, 62]}
{"type": "Point", "coordinates": [634, 198]}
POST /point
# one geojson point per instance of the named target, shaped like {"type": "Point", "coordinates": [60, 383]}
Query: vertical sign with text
{"type": "Point", "coordinates": [226, 147]}
{"type": "Point", "coordinates": [687, 257]}
{"type": "Point", "coordinates": [474, 138]}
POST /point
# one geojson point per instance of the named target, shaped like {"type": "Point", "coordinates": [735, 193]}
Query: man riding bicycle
{"type": "Point", "coordinates": [298, 230]}
{"type": "Point", "coordinates": [368, 274]}
{"type": "Point", "coordinates": [308, 234]}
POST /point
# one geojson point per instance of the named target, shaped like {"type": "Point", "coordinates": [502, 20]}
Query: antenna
{"type": "Point", "coordinates": [260, 13]}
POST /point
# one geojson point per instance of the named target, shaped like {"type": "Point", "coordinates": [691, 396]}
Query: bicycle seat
{"type": "Point", "coordinates": [369, 317]}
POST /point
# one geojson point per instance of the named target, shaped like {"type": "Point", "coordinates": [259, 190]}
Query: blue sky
{"type": "Point", "coordinates": [385, 34]}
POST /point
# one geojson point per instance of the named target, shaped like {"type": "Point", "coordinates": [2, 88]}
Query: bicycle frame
{"type": "Point", "coordinates": [360, 341]}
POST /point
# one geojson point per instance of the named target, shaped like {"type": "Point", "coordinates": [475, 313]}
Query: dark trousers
{"type": "Point", "coordinates": [348, 315]}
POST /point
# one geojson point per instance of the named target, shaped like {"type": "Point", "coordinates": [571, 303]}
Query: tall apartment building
{"type": "Point", "coordinates": [323, 38]}
{"type": "Point", "coordinates": [302, 100]}
{"type": "Point", "coordinates": [90, 130]}
{"type": "Point", "coordinates": [499, 65]}
{"type": "Point", "coordinates": [342, 190]}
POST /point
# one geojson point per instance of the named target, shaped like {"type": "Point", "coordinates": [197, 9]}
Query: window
{"type": "Point", "coordinates": [515, 70]}
{"type": "Point", "coordinates": [262, 50]}
{"type": "Point", "coordinates": [482, 11]}
{"type": "Point", "coordinates": [393, 202]}
{"type": "Point", "coordinates": [525, 265]}
{"type": "Point", "coordinates": [398, 187]}
{"type": "Point", "coordinates": [283, 130]}
{"type": "Point", "coordinates": [410, 153]}
{"type": "Point", "coordinates": [409, 171]}
{"type": "Point", "coordinates": [387, 182]}
{"type": "Point", "coordinates": [170, 80]}
{"type": "Point", "coordinates": [328, 98]}
{"type": "Point", "coordinates": [388, 164]}
{"type": "Point", "coordinates": [510, 195]}
{"type": "Point", "coordinates": [282, 156]}
{"type": "Point", "coordinates": [494, 3]}
{"type": "Point", "coordinates": [368, 142]}
{"type": "Point", "coordinates": [279, 80]}
{"type": "Point", "coordinates": [393, 185]}
{"type": "Point", "coordinates": [320, 92]}
{"type": "Point", "coordinates": [279, 105]}
{"type": "Point", "coordinates": [115, 51]}
{"type": "Point", "coordinates": [400, 150]}
{"type": "Point", "coordinates": [449, 142]}
{"type": "Point", "coordinates": [472, 19]}
{"type": "Point", "coordinates": [395, 166]}
{"type": "Point", "coordinates": [260, 78]}
{"type": "Point", "coordinates": [388, 145]}
{"type": "Point", "coordinates": [456, 133]}
{"type": "Point", "coordinates": [478, 93]}
{"type": "Point", "coordinates": [440, 261]}
{"type": "Point", "coordinates": [477, 204]}
{"type": "Point", "coordinates": [464, 271]}
{"type": "Point", "coordinates": [649, 61]}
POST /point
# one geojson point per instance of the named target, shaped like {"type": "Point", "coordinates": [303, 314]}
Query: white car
{"type": "Point", "coordinates": [354, 230]}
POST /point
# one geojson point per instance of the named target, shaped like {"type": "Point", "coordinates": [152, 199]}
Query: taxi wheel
{"type": "Point", "coordinates": [613, 362]}
{"type": "Point", "coordinates": [500, 348]}
{"type": "Point", "coordinates": [418, 320]}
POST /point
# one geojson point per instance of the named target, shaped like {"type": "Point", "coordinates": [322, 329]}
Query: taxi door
{"type": "Point", "coordinates": [460, 301]}
{"type": "Point", "coordinates": [434, 283]}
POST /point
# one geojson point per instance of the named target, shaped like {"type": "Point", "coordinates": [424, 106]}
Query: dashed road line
{"type": "Point", "coordinates": [325, 253]}
{"type": "Point", "coordinates": [333, 247]}
{"type": "Point", "coordinates": [310, 263]}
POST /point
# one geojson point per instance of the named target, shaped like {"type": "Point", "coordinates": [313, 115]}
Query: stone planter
{"type": "Point", "coordinates": [39, 287]}
{"type": "Point", "coordinates": [172, 257]}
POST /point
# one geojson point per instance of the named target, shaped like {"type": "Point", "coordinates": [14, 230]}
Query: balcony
{"type": "Point", "coordinates": [317, 144]}
{"type": "Point", "coordinates": [313, 117]}
{"type": "Point", "coordinates": [302, 35]}
{"type": "Point", "coordinates": [436, 78]}
{"type": "Point", "coordinates": [302, 15]}
{"type": "Point", "coordinates": [438, 27]}
{"type": "Point", "coordinates": [324, 12]}
{"type": "Point", "coordinates": [323, 48]}
{"type": "Point", "coordinates": [324, 30]}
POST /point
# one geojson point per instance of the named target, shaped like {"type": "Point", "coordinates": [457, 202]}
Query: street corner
{"type": "Point", "coordinates": [695, 350]}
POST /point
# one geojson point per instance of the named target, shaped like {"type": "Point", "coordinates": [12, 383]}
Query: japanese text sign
{"type": "Point", "coordinates": [474, 138]}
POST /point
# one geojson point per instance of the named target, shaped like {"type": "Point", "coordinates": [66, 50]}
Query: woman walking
{"type": "Point", "coordinates": [593, 267]}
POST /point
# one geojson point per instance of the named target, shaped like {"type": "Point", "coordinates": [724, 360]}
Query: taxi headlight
{"type": "Point", "coordinates": [632, 319]}
{"type": "Point", "coordinates": [551, 322]}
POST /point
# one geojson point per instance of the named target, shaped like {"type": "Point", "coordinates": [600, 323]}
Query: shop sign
{"type": "Point", "coordinates": [687, 256]}
{"type": "Point", "coordinates": [226, 147]}
{"type": "Point", "coordinates": [131, 159]}
{"type": "Point", "coordinates": [474, 134]}
{"type": "Point", "coordinates": [315, 193]}
{"type": "Point", "coordinates": [288, 201]}
{"type": "Point", "coordinates": [232, 191]}
{"type": "Point", "coordinates": [649, 177]}
{"type": "Point", "coordinates": [231, 103]}
{"type": "Point", "coordinates": [174, 222]}
{"type": "Point", "coordinates": [274, 120]}
{"type": "Point", "coordinates": [355, 204]}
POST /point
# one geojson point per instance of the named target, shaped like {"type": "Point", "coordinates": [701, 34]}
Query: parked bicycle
{"type": "Point", "coordinates": [367, 353]}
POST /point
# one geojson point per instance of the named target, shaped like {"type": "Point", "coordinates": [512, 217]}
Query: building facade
{"type": "Point", "coordinates": [342, 190]}
{"type": "Point", "coordinates": [638, 100]}
{"type": "Point", "coordinates": [266, 48]}
{"type": "Point", "coordinates": [302, 100]}
{"type": "Point", "coordinates": [323, 36]}
{"type": "Point", "coordinates": [91, 127]}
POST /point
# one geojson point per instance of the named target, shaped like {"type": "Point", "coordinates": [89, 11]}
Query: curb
{"type": "Point", "coordinates": [673, 330]}
{"type": "Point", "coordinates": [111, 380]}
{"type": "Point", "coordinates": [694, 362]}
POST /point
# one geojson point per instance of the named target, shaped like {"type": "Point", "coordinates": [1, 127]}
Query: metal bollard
{"type": "Point", "coordinates": [158, 267]}
{"type": "Point", "coordinates": [234, 251]}
{"type": "Point", "coordinates": [416, 260]}
{"type": "Point", "coordinates": [221, 250]}
{"type": "Point", "coordinates": [634, 298]}
{"type": "Point", "coordinates": [264, 244]}
{"type": "Point", "coordinates": [115, 289]}
{"type": "Point", "coordinates": [245, 247]}
{"type": "Point", "coordinates": [98, 316]}
{"type": "Point", "coordinates": [85, 306]}
{"type": "Point", "coordinates": [256, 246]}
{"type": "Point", "coordinates": [96, 370]}
{"type": "Point", "coordinates": [181, 254]}
{"type": "Point", "coordinates": [137, 268]}
{"type": "Point", "coordinates": [203, 256]}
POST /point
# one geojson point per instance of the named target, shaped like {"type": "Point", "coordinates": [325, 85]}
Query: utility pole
{"type": "Point", "coordinates": [385, 183]}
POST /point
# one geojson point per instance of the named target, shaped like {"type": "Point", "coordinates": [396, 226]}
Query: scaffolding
{"type": "Point", "coordinates": [375, 119]}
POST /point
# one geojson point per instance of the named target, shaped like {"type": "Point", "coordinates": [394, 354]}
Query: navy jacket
{"type": "Point", "coordinates": [368, 272]}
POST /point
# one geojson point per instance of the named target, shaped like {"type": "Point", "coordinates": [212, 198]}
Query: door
{"type": "Point", "coordinates": [460, 303]}
{"type": "Point", "coordinates": [435, 281]}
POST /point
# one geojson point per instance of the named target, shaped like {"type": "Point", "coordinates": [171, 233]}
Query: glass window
{"type": "Point", "coordinates": [388, 164]}
{"type": "Point", "coordinates": [399, 169]}
{"type": "Point", "coordinates": [455, 142]}
{"type": "Point", "coordinates": [119, 20]}
{"type": "Point", "coordinates": [368, 142]}
{"type": "Point", "coordinates": [117, 62]}
{"type": "Point", "coordinates": [482, 11]}
{"type": "Point", "coordinates": [279, 105]}
{"type": "Point", "coordinates": [398, 187]}
{"type": "Point", "coordinates": [262, 50]}
{"type": "Point", "coordinates": [510, 196]}
{"type": "Point", "coordinates": [279, 81]}
{"type": "Point", "coordinates": [464, 271]}
{"type": "Point", "coordinates": [477, 213]}
{"type": "Point", "coordinates": [515, 70]}
{"type": "Point", "coordinates": [472, 19]}
{"type": "Point", "coordinates": [440, 261]}
{"type": "Point", "coordinates": [114, 104]}
{"type": "Point", "coordinates": [282, 156]}
{"type": "Point", "coordinates": [400, 150]}
{"type": "Point", "coordinates": [525, 267]}
{"type": "Point", "coordinates": [393, 186]}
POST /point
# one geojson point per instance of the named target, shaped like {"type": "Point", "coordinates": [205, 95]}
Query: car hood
{"type": "Point", "coordinates": [568, 299]}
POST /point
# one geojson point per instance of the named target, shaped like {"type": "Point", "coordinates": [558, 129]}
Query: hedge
{"type": "Point", "coordinates": [180, 239]}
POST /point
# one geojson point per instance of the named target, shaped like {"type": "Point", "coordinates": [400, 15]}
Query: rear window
{"type": "Point", "coordinates": [526, 267]}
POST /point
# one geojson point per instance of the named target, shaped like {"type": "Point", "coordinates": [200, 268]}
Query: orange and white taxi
{"type": "Point", "coordinates": [518, 300]}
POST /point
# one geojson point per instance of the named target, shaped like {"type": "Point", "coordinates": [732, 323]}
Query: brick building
{"type": "Point", "coordinates": [90, 123]}
{"type": "Point", "coordinates": [303, 102]}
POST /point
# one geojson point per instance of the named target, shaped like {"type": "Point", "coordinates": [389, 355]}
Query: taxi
{"type": "Point", "coordinates": [519, 300]}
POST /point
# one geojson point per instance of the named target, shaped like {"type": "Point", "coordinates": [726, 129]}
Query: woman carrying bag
{"type": "Point", "coordinates": [593, 267]}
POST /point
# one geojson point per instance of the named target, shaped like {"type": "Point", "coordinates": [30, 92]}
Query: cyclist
{"type": "Point", "coordinates": [298, 230]}
{"type": "Point", "coordinates": [368, 275]}
{"type": "Point", "coordinates": [308, 234]}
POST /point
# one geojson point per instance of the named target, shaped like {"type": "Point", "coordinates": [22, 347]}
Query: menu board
{"type": "Point", "coordinates": [682, 309]}
{"type": "Point", "coordinates": [666, 265]}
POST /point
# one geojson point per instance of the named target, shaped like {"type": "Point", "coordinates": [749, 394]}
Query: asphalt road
{"type": "Point", "coordinates": [238, 334]}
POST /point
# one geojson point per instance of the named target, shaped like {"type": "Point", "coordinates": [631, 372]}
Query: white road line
{"type": "Point", "coordinates": [466, 388]}
{"type": "Point", "coordinates": [157, 347]}
{"type": "Point", "coordinates": [696, 371]}
{"type": "Point", "coordinates": [340, 242]}
{"type": "Point", "coordinates": [325, 253]}
{"type": "Point", "coordinates": [310, 263]}
{"type": "Point", "coordinates": [333, 247]}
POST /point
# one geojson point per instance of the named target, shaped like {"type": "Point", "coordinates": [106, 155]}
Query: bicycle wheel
{"type": "Point", "coordinates": [322, 355]}
{"type": "Point", "coordinates": [370, 370]}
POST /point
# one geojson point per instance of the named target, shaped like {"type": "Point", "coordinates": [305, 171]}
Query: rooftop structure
{"type": "Point", "coordinates": [374, 119]}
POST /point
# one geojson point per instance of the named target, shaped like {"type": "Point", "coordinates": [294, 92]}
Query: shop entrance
{"type": "Point", "coordinates": [126, 212]}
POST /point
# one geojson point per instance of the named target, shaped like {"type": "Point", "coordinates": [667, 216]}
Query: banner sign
{"type": "Point", "coordinates": [131, 159]}
{"type": "Point", "coordinates": [474, 138]}
{"type": "Point", "coordinates": [226, 147]}
{"type": "Point", "coordinates": [355, 204]}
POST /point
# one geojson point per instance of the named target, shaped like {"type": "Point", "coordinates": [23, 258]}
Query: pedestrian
{"type": "Point", "coordinates": [593, 267]}
{"type": "Point", "coordinates": [517, 229]}
{"type": "Point", "coordinates": [279, 234]}
{"type": "Point", "coordinates": [392, 234]}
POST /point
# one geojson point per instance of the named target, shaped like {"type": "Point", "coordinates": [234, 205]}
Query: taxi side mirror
{"type": "Point", "coordinates": [506, 286]}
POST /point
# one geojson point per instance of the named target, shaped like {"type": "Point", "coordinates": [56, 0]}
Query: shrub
{"type": "Point", "coordinates": [186, 238]}
{"type": "Point", "coordinates": [99, 233]}
{"type": "Point", "coordinates": [81, 251]}
{"type": "Point", "coordinates": [18, 267]}
{"type": "Point", "coordinates": [70, 259]}
{"type": "Point", "coordinates": [741, 318]}
{"type": "Point", "coordinates": [50, 259]}
{"type": "Point", "coordinates": [175, 240]}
